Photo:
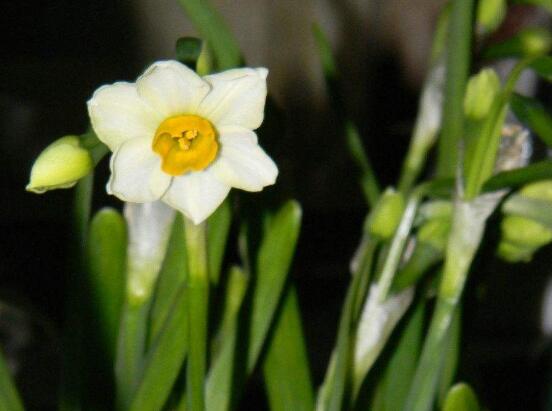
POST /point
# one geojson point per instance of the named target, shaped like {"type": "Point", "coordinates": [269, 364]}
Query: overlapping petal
{"type": "Point", "coordinates": [242, 163]}
{"type": "Point", "coordinates": [237, 98]}
{"type": "Point", "coordinates": [136, 174]}
{"type": "Point", "coordinates": [196, 195]}
{"type": "Point", "coordinates": [117, 114]}
{"type": "Point", "coordinates": [172, 88]}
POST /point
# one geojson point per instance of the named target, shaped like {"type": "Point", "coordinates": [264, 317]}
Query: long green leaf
{"type": "Point", "coordinates": [543, 66]}
{"type": "Point", "coordinates": [272, 267]}
{"type": "Point", "coordinates": [220, 380]}
{"type": "Point", "coordinates": [172, 276]}
{"type": "Point", "coordinates": [164, 360]}
{"type": "Point", "coordinates": [107, 260]}
{"type": "Point", "coordinates": [450, 362]}
{"type": "Point", "coordinates": [9, 397]}
{"type": "Point", "coordinates": [393, 387]}
{"type": "Point", "coordinates": [218, 227]}
{"type": "Point", "coordinates": [212, 28]}
{"type": "Point", "coordinates": [515, 178]}
{"type": "Point", "coordinates": [531, 112]}
{"type": "Point", "coordinates": [286, 369]}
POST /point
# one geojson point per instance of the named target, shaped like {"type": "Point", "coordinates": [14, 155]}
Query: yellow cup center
{"type": "Point", "coordinates": [185, 143]}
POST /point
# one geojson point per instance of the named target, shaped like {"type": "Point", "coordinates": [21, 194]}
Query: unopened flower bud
{"type": "Point", "coordinates": [60, 165]}
{"type": "Point", "coordinates": [387, 214]}
{"type": "Point", "coordinates": [435, 233]}
{"type": "Point", "coordinates": [535, 41]}
{"type": "Point", "coordinates": [523, 236]}
{"type": "Point", "coordinates": [490, 14]}
{"type": "Point", "coordinates": [481, 91]}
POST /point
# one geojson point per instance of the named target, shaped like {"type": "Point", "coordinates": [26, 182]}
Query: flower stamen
{"type": "Point", "coordinates": [185, 143]}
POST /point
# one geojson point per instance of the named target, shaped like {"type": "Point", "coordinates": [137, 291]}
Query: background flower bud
{"type": "Point", "coordinates": [535, 41]}
{"type": "Point", "coordinates": [387, 214]}
{"type": "Point", "coordinates": [481, 91]}
{"type": "Point", "coordinates": [523, 236]}
{"type": "Point", "coordinates": [490, 14]}
{"type": "Point", "coordinates": [60, 165]}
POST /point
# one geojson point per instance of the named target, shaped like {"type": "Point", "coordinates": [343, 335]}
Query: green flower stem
{"type": "Point", "coordinates": [457, 68]}
{"type": "Point", "coordinates": [468, 224]}
{"type": "Point", "coordinates": [393, 257]}
{"type": "Point", "coordinates": [198, 300]}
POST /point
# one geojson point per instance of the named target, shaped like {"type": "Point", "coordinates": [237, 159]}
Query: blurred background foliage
{"type": "Point", "coordinates": [56, 53]}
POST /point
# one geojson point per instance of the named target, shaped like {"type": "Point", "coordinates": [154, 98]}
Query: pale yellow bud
{"type": "Point", "coordinates": [60, 165]}
{"type": "Point", "coordinates": [481, 91]}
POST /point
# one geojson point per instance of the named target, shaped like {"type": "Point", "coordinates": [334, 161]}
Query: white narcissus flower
{"type": "Point", "coordinates": [184, 139]}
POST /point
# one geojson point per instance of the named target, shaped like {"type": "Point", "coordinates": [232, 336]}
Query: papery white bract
{"type": "Point", "coordinates": [184, 139]}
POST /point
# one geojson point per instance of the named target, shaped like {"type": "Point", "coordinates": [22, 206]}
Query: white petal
{"type": "Point", "coordinates": [237, 98]}
{"type": "Point", "coordinates": [117, 114]}
{"type": "Point", "coordinates": [136, 174]}
{"type": "Point", "coordinates": [196, 195]}
{"type": "Point", "coordinates": [172, 88]}
{"type": "Point", "coordinates": [242, 163]}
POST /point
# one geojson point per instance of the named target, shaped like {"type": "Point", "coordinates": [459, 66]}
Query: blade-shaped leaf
{"type": "Point", "coordinates": [272, 267]}
{"type": "Point", "coordinates": [212, 28]}
{"type": "Point", "coordinates": [164, 359]}
{"type": "Point", "coordinates": [532, 113]}
{"type": "Point", "coordinates": [515, 178]}
{"type": "Point", "coordinates": [9, 397]}
{"type": "Point", "coordinates": [218, 227]}
{"type": "Point", "coordinates": [107, 260]}
{"type": "Point", "coordinates": [286, 369]}
{"type": "Point", "coordinates": [172, 276]}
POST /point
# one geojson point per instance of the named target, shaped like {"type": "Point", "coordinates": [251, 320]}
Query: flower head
{"type": "Point", "coordinates": [184, 139]}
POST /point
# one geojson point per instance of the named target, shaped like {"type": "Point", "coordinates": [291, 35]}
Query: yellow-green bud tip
{"type": "Point", "coordinates": [535, 41]}
{"type": "Point", "coordinates": [60, 165]}
{"type": "Point", "coordinates": [490, 14]}
{"type": "Point", "coordinates": [481, 91]}
{"type": "Point", "coordinates": [387, 214]}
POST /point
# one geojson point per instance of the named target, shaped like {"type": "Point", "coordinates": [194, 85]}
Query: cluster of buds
{"type": "Point", "coordinates": [522, 236]}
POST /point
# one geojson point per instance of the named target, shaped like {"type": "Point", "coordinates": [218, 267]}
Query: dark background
{"type": "Point", "coordinates": [55, 54]}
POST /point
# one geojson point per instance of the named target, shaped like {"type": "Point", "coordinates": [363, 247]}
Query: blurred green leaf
{"type": "Point", "coordinates": [543, 67]}
{"type": "Point", "coordinates": [533, 114]}
{"type": "Point", "coordinates": [461, 398]}
{"type": "Point", "coordinates": [9, 397]}
{"type": "Point", "coordinates": [220, 384]}
{"type": "Point", "coordinates": [286, 369]}
{"type": "Point", "coordinates": [369, 184]}
{"type": "Point", "coordinates": [172, 276]}
{"type": "Point", "coordinates": [511, 179]}
{"type": "Point", "coordinates": [164, 359]}
{"type": "Point", "coordinates": [325, 50]}
{"type": "Point", "coordinates": [213, 29]}
{"type": "Point", "coordinates": [399, 371]}
{"type": "Point", "coordinates": [188, 50]}
{"type": "Point", "coordinates": [272, 267]}
{"type": "Point", "coordinates": [106, 246]}
{"type": "Point", "coordinates": [450, 362]}
{"type": "Point", "coordinates": [218, 227]}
